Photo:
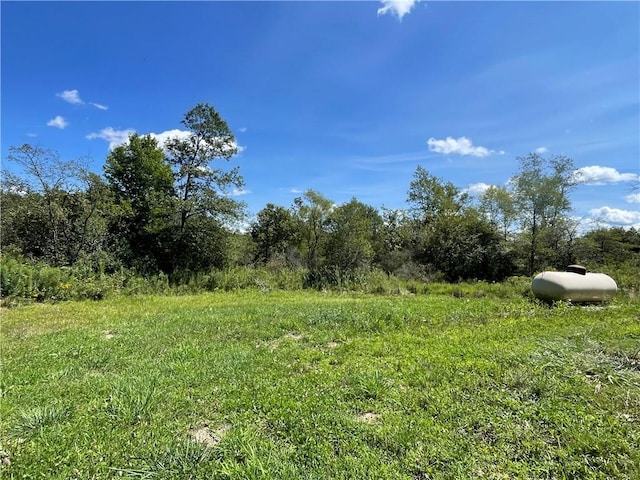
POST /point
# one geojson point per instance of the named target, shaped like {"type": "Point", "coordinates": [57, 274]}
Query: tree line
{"type": "Point", "coordinates": [168, 208]}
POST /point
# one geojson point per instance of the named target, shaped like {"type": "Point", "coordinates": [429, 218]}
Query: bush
{"type": "Point", "coordinates": [23, 280]}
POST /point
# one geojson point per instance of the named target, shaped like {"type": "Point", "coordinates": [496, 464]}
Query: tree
{"type": "Point", "coordinates": [138, 174]}
{"type": "Point", "coordinates": [497, 207]}
{"type": "Point", "coordinates": [449, 237]}
{"type": "Point", "coordinates": [541, 191]}
{"type": "Point", "coordinates": [393, 246]}
{"type": "Point", "coordinates": [609, 246]}
{"type": "Point", "coordinates": [203, 244]}
{"type": "Point", "coordinates": [273, 231]}
{"type": "Point", "coordinates": [49, 209]}
{"type": "Point", "coordinates": [142, 184]}
{"type": "Point", "coordinates": [352, 231]}
{"type": "Point", "coordinates": [201, 189]}
{"type": "Point", "coordinates": [430, 197]}
{"type": "Point", "coordinates": [463, 247]}
{"type": "Point", "coordinates": [311, 212]}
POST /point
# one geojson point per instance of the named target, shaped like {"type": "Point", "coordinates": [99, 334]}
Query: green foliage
{"type": "Point", "coordinates": [165, 219]}
{"type": "Point", "coordinates": [613, 246]}
{"type": "Point", "coordinates": [431, 198]}
{"type": "Point", "coordinates": [138, 174]}
{"type": "Point", "coordinates": [613, 251]}
{"type": "Point", "coordinates": [463, 247]}
{"type": "Point", "coordinates": [273, 232]}
{"type": "Point", "coordinates": [142, 184]}
{"type": "Point", "coordinates": [22, 280]}
{"type": "Point", "coordinates": [353, 229]}
{"type": "Point", "coordinates": [311, 212]}
{"type": "Point", "coordinates": [393, 253]}
{"type": "Point", "coordinates": [53, 211]}
{"type": "Point", "coordinates": [202, 244]}
{"type": "Point", "coordinates": [35, 420]}
{"type": "Point", "coordinates": [498, 208]}
{"type": "Point", "coordinates": [199, 187]}
{"type": "Point", "coordinates": [19, 279]}
{"type": "Point", "coordinates": [540, 193]}
{"type": "Point", "coordinates": [333, 277]}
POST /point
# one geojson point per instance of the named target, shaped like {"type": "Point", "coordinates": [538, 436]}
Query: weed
{"type": "Point", "coordinates": [35, 420]}
{"type": "Point", "coordinates": [131, 403]}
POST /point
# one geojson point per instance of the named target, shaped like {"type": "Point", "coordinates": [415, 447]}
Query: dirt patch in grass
{"type": "Point", "coordinates": [368, 417]}
{"type": "Point", "coordinates": [275, 343]}
{"type": "Point", "coordinates": [108, 335]}
{"type": "Point", "coordinates": [207, 436]}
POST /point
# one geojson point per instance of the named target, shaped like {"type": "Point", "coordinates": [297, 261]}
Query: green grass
{"type": "Point", "coordinates": [320, 385]}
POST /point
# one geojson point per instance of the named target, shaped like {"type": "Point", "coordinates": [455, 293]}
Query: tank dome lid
{"type": "Point", "coordinates": [579, 269]}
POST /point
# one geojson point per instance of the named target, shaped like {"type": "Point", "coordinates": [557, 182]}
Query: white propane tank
{"type": "Point", "coordinates": [574, 285]}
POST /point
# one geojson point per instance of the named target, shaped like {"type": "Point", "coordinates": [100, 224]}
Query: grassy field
{"type": "Point", "coordinates": [320, 386]}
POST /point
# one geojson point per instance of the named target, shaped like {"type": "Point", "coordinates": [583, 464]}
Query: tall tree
{"type": "Point", "coordinates": [497, 207]}
{"type": "Point", "coordinates": [142, 183]}
{"type": "Point", "coordinates": [202, 189]}
{"type": "Point", "coordinates": [541, 193]}
{"type": "Point", "coordinates": [352, 231]}
{"type": "Point", "coordinates": [273, 231]}
{"type": "Point", "coordinates": [430, 197]}
{"type": "Point", "coordinates": [138, 174]}
{"type": "Point", "coordinates": [47, 212]}
{"type": "Point", "coordinates": [393, 246]}
{"type": "Point", "coordinates": [312, 214]}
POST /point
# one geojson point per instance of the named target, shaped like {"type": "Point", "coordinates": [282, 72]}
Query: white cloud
{"type": "Point", "coordinates": [616, 216]}
{"type": "Point", "coordinates": [460, 146]}
{"type": "Point", "coordinates": [71, 96]}
{"type": "Point", "coordinates": [242, 129]}
{"type": "Point", "coordinates": [541, 150]}
{"type": "Point", "coordinates": [18, 190]}
{"type": "Point", "coordinates": [99, 106]}
{"type": "Point", "coordinates": [476, 188]}
{"type": "Point", "coordinates": [113, 136]}
{"type": "Point", "coordinates": [162, 138]}
{"type": "Point", "coordinates": [58, 122]}
{"type": "Point", "coordinates": [633, 198]}
{"type": "Point", "coordinates": [118, 137]}
{"type": "Point", "coordinates": [399, 8]}
{"type": "Point", "coordinates": [597, 175]}
{"type": "Point", "coordinates": [296, 190]}
{"type": "Point", "coordinates": [237, 192]}
{"type": "Point", "coordinates": [32, 135]}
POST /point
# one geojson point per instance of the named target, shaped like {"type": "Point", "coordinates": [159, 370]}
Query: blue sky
{"type": "Point", "coordinates": [347, 98]}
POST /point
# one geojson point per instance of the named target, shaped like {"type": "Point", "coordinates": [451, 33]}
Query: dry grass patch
{"type": "Point", "coordinates": [207, 436]}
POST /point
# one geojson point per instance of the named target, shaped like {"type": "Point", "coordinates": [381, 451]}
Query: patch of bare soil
{"type": "Point", "coordinates": [368, 417]}
{"type": "Point", "coordinates": [108, 335]}
{"type": "Point", "coordinates": [207, 436]}
{"type": "Point", "coordinates": [275, 343]}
